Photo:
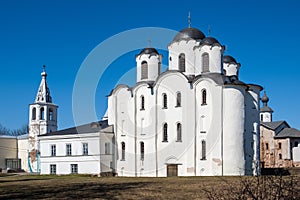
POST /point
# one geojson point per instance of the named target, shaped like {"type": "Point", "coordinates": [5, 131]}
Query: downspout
{"type": "Point", "coordinates": [222, 127]}
{"type": "Point", "coordinates": [156, 137]}
{"type": "Point", "coordinates": [135, 136]}
{"type": "Point", "coordinates": [116, 137]}
{"type": "Point", "coordinates": [195, 127]}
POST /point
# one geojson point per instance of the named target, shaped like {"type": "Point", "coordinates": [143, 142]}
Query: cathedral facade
{"type": "Point", "coordinates": [196, 118]}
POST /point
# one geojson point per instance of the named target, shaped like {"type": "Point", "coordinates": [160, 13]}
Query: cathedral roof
{"type": "Point", "coordinates": [209, 41]}
{"type": "Point", "coordinates": [43, 94]}
{"type": "Point", "coordinates": [229, 59]}
{"type": "Point", "coordinates": [148, 50]}
{"type": "Point", "coordinates": [189, 33]}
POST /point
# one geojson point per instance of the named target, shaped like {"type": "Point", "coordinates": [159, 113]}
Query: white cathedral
{"type": "Point", "coordinates": [195, 119]}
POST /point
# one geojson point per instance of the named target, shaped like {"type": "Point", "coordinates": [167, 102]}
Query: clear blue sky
{"type": "Point", "coordinates": [264, 36]}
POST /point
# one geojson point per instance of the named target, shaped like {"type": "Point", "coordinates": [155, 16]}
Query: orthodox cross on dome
{"type": "Point", "coordinates": [208, 30]}
{"type": "Point", "coordinates": [44, 68]}
{"type": "Point", "coordinates": [189, 19]}
{"type": "Point", "coordinates": [226, 49]}
{"type": "Point", "coordinates": [149, 42]}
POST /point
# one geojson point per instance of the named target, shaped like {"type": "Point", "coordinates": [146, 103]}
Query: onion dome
{"type": "Point", "coordinates": [229, 59]}
{"type": "Point", "coordinates": [265, 107]}
{"type": "Point", "coordinates": [209, 41]}
{"type": "Point", "coordinates": [149, 50]}
{"type": "Point", "coordinates": [189, 33]}
{"type": "Point", "coordinates": [265, 98]}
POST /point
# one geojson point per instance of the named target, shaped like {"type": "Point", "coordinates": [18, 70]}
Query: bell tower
{"type": "Point", "coordinates": [42, 120]}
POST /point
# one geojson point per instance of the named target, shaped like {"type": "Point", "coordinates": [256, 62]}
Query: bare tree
{"type": "Point", "coordinates": [258, 188]}
{"type": "Point", "coordinates": [15, 132]}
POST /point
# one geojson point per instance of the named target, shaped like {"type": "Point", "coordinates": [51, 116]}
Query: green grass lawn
{"type": "Point", "coordinates": [87, 187]}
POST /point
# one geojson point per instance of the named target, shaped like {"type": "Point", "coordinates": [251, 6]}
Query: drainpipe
{"type": "Point", "coordinates": [222, 126]}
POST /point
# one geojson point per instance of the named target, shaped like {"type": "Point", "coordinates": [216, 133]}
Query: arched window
{"type": "Point", "coordinates": [33, 117]}
{"type": "Point", "coordinates": [261, 117]}
{"type": "Point", "coordinates": [123, 150]}
{"type": "Point", "coordinates": [165, 132]}
{"type": "Point", "coordinates": [280, 156]}
{"type": "Point", "coordinates": [165, 100]}
{"type": "Point", "coordinates": [142, 103]}
{"type": "Point", "coordinates": [144, 74]}
{"type": "Point", "coordinates": [279, 145]}
{"type": "Point", "coordinates": [42, 113]}
{"type": "Point", "coordinates": [178, 99]}
{"type": "Point", "coordinates": [203, 150]}
{"type": "Point", "coordinates": [50, 114]}
{"type": "Point", "coordinates": [205, 62]}
{"type": "Point", "coordinates": [267, 146]}
{"type": "Point", "coordinates": [224, 71]}
{"type": "Point", "coordinates": [181, 62]}
{"type": "Point", "coordinates": [204, 97]}
{"type": "Point", "coordinates": [179, 133]}
{"type": "Point", "coordinates": [142, 151]}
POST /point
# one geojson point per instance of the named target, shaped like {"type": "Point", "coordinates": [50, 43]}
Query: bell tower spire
{"type": "Point", "coordinates": [43, 94]}
{"type": "Point", "coordinates": [42, 120]}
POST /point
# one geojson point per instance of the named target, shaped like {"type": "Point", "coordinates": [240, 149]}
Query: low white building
{"type": "Point", "coordinates": [84, 149]}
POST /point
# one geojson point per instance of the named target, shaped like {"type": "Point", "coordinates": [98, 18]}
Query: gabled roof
{"type": "Point", "coordinates": [288, 133]}
{"type": "Point", "coordinates": [274, 125]}
{"type": "Point", "coordinates": [100, 126]}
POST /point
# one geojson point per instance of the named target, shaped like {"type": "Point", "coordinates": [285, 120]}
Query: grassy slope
{"type": "Point", "coordinates": [86, 187]}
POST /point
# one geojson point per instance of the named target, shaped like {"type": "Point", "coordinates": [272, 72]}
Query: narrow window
{"type": "Point", "coordinates": [85, 149]}
{"type": "Point", "coordinates": [123, 151]}
{"type": "Point", "coordinates": [178, 99]}
{"type": "Point", "coordinates": [33, 114]}
{"type": "Point", "coordinates": [280, 156]}
{"type": "Point", "coordinates": [53, 150]}
{"type": "Point", "coordinates": [165, 100]}
{"type": "Point", "coordinates": [261, 118]}
{"type": "Point", "coordinates": [267, 146]}
{"type": "Point", "coordinates": [107, 148]}
{"type": "Point", "coordinates": [142, 151]}
{"type": "Point", "coordinates": [224, 72]}
{"type": "Point", "coordinates": [52, 169]}
{"type": "Point", "coordinates": [68, 149]}
{"type": "Point", "coordinates": [159, 68]}
{"type": "Point", "coordinates": [205, 62]}
{"type": "Point", "coordinates": [203, 97]}
{"type": "Point", "coordinates": [144, 74]}
{"type": "Point", "coordinates": [179, 130]}
{"type": "Point", "coordinates": [74, 168]}
{"type": "Point", "coordinates": [142, 103]}
{"type": "Point", "coordinates": [279, 145]}
{"type": "Point", "coordinates": [50, 114]}
{"type": "Point", "coordinates": [181, 62]}
{"type": "Point", "coordinates": [42, 113]}
{"type": "Point", "coordinates": [203, 150]}
{"type": "Point", "coordinates": [296, 144]}
{"type": "Point", "coordinates": [165, 132]}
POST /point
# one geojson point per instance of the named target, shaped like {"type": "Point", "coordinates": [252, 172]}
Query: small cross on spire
{"type": "Point", "coordinates": [189, 19]}
{"type": "Point", "coordinates": [44, 68]}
